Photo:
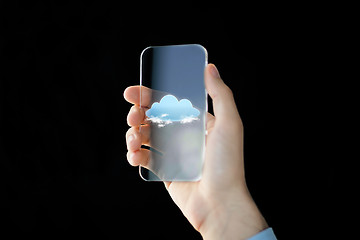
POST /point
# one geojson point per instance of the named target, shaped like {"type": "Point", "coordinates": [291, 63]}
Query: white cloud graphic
{"type": "Point", "coordinates": [170, 110]}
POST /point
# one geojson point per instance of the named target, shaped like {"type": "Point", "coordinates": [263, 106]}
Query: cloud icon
{"type": "Point", "coordinates": [170, 110]}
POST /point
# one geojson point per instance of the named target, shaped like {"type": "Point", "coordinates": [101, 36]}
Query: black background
{"type": "Point", "coordinates": [65, 65]}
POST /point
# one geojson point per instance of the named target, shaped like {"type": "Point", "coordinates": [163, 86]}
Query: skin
{"type": "Point", "coordinates": [219, 206]}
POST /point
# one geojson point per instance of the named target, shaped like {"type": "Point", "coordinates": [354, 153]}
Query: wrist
{"type": "Point", "coordinates": [238, 218]}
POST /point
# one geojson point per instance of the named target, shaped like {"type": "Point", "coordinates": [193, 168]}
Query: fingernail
{"type": "Point", "coordinates": [214, 72]}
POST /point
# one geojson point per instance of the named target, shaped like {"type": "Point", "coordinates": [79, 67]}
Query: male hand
{"type": "Point", "coordinates": [219, 206]}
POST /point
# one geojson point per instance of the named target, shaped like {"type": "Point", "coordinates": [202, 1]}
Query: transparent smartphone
{"type": "Point", "coordinates": [174, 98]}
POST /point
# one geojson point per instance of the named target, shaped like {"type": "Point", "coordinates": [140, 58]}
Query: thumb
{"type": "Point", "coordinates": [221, 95]}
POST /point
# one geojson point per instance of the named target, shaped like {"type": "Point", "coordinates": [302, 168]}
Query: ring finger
{"type": "Point", "coordinates": [136, 138]}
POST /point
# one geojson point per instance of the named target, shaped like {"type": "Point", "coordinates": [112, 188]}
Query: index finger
{"type": "Point", "coordinates": [132, 95]}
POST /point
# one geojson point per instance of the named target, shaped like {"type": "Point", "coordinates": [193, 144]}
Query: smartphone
{"type": "Point", "coordinates": [174, 99]}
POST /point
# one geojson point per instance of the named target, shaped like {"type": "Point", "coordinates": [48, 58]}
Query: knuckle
{"type": "Point", "coordinates": [228, 91]}
{"type": "Point", "coordinates": [128, 156]}
{"type": "Point", "coordinates": [132, 130]}
{"type": "Point", "coordinates": [129, 118]}
{"type": "Point", "coordinates": [128, 132]}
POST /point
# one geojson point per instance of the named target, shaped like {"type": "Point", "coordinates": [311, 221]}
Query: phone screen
{"type": "Point", "coordinates": [175, 103]}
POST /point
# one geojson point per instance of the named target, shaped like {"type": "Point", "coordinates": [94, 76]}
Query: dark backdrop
{"type": "Point", "coordinates": [64, 172]}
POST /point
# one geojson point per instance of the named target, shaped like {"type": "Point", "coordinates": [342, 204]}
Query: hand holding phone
{"type": "Point", "coordinates": [219, 205]}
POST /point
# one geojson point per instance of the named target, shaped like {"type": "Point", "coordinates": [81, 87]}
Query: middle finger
{"type": "Point", "coordinates": [135, 138]}
{"type": "Point", "coordinates": [136, 116]}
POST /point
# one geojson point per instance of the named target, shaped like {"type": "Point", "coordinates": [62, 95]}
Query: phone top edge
{"type": "Point", "coordinates": [176, 45]}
